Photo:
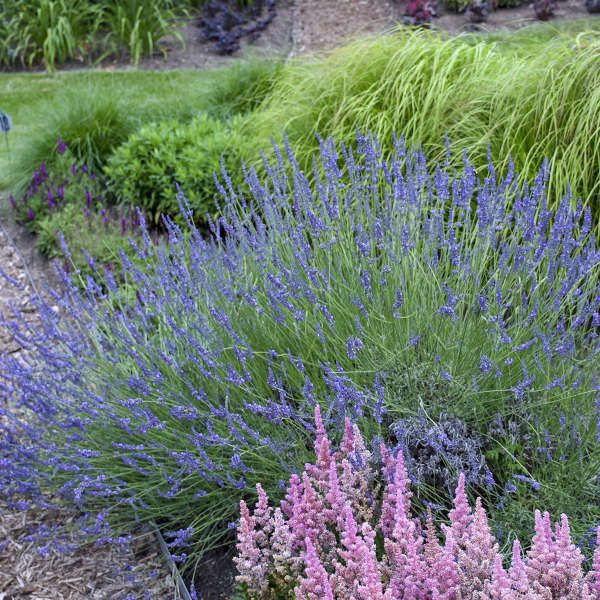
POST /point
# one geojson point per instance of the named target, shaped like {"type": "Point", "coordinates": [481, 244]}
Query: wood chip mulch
{"type": "Point", "coordinates": [27, 571]}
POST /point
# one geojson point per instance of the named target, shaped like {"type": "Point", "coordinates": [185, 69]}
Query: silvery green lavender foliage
{"type": "Point", "coordinates": [173, 405]}
{"type": "Point", "coordinates": [436, 451]}
{"type": "Point", "coordinates": [329, 539]}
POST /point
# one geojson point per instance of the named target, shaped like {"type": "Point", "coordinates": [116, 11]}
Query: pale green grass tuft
{"type": "Point", "coordinates": [528, 100]}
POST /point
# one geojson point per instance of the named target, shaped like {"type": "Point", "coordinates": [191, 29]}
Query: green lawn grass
{"type": "Point", "coordinates": [44, 106]}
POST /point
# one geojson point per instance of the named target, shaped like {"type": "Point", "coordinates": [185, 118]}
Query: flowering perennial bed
{"type": "Point", "coordinates": [387, 291]}
{"type": "Point", "coordinates": [324, 537]}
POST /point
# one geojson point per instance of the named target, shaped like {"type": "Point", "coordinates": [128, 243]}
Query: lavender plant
{"type": "Point", "coordinates": [171, 405]}
{"type": "Point", "coordinates": [67, 203]}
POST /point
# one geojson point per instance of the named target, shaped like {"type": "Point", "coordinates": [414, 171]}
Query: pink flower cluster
{"type": "Point", "coordinates": [331, 539]}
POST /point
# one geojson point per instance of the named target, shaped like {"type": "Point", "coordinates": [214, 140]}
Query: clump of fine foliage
{"type": "Point", "coordinates": [524, 100]}
{"type": "Point", "coordinates": [385, 289]}
{"type": "Point", "coordinates": [56, 31]}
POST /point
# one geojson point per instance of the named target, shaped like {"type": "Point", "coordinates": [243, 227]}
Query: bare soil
{"type": "Point", "coordinates": [305, 27]}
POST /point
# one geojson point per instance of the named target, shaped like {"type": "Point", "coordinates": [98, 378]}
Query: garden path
{"type": "Point", "coordinates": [89, 573]}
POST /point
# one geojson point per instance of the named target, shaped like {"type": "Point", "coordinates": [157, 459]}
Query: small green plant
{"type": "Point", "coordinates": [56, 31]}
{"type": "Point", "coordinates": [90, 122]}
{"type": "Point", "coordinates": [137, 25]}
{"type": "Point", "coordinates": [146, 170]}
{"type": "Point", "coordinates": [50, 31]}
{"type": "Point", "coordinates": [93, 236]}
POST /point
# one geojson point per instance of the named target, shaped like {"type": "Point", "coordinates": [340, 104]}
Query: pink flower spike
{"type": "Point", "coordinates": [320, 470]}
{"type": "Point", "coordinates": [316, 584]}
{"type": "Point", "coordinates": [477, 556]}
{"type": "Point", "coordinates": [517, 572]}
{"type": "Point", "coordinates": [398, 487]}
{"type": "Point", "coordinates": [319, 423]}
{"type": "Point", "coordinates": [347, 444]}
{"type": "Point", "coordinates": [292, 496]}
{"type": "Point", "coordinates": [335, 498]}
{"type": "Point", "coordinates": [262, 510]}
{"type": "Point", "coordinates": [461, 515]}
{"type": "Point", "coordinates": [252, 569]}
{"type": "Point", "coordinates": [594, 575]}
{"type": "Point", "coordinates": [500, 587]}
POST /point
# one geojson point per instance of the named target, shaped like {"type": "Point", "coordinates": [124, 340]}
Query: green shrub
{"type": "Point", "coordinates": [146, 170]}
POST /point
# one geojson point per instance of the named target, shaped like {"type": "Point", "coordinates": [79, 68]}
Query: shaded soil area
{"type": "Point", "coordinates": [214, 576]}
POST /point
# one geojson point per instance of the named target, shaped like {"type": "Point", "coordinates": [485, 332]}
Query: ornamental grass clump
{"type": "Point", "coordinates": [524, 99]}
{"type": "Point", "coordinates": [344, 531]}
{"type": "Point", "coordinates": [388, 288]}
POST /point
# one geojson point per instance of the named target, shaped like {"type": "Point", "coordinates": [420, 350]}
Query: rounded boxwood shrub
{"type": "Point", "coordinates": [146, 170]}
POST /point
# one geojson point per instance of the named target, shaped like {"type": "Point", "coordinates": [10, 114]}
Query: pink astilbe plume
{"type": "Point", "coordinates": [316, 583]}
{"type": "Point", "coordinates": [477, 554]}
{"type": "Point", "coordinates": [397, 485]}
{"type": "Point", "coordinates": [357, 573]}
{"type": "Point", "coordinates": [568, 568]}
{"type": "Point", "coordinates": [287, 565]}
{"type": "Point", "coordinates": [347, 444]}
{"type": "Point", "coordinates": [518, 572]}
{"type": "Point", "coordinates": [406, 563]}
{"type": "Point", "coordinates": [442, 572]}
{"type": "Point", "coordinates": [308, 518]}
{"type": "Point", "coordinates": [262, 517]}
{"type": "Point", "coordinates": [499, 587]}
{"type": "Point", "coordinates": [336, 500]}
{"type": "Point", "coordinates": [293, 495]}
{"type": "Point", "coordinates": [356, 478]}
{"type": "Point", "coordinates": [251, 564]}
{"type": "Point", "coordinates": [319, 472]}
{"type": "Point", "coordinates": [460, 515]}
